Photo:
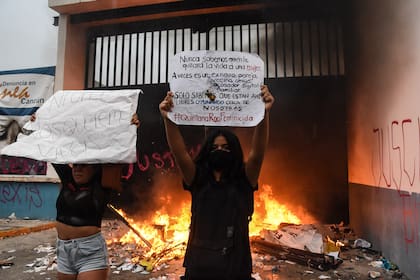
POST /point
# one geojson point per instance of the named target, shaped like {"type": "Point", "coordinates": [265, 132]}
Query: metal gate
{"type": "Point", "coordinates": [303, 48]}
{"type": "Point", "coordinates": [303, 51]}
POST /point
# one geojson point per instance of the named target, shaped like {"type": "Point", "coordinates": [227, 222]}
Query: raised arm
{"type": "Point", "coordinates": [176, 141]}
{"type": "Point", "coordinates": [259, 140]}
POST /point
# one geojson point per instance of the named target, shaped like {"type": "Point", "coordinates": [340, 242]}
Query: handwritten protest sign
{"type": "Point", "coordinates": [81, 127]}
{"type": "Point", "coordinates": [216, 88]}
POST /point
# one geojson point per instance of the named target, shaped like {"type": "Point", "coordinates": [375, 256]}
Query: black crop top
{"type": "Point", "coordinates": [80, 205]}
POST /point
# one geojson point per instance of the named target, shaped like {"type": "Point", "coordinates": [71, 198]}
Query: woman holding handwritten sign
{"type": "Point", "coordinates": [222, 186]}
{"type": "Point", "coordinates": [81, 249]}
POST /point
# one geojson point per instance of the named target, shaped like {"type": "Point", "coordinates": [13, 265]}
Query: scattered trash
{"type": "Point", "coordinates": [376, 264]}
{"type": "Point", "coordinates": [303, 237]}
{"type": "Point", "coordinates": [44, 249]}
{"type": "Point", "coordinates": [361, 243]}
{"type": "Point", "coordinates": [324, 277]}
{"type": "Point", "coordinates": [367, 257]}
{"type": "Point", "coordinates": [388, 265]}
{"type": "Point", "coordinates": [12, 216]}
{"type": "Point", "coordinates": [7, 263]}
{"type": "Point", "coordinates": [374, 274]}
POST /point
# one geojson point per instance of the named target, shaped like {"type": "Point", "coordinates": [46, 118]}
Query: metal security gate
{"type": "Point", "coordinates": [303, 51]}
{"type": "Point", "coordinates": [304, 48]}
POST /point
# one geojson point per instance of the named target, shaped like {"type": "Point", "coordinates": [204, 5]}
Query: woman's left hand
{"type": "Point", "coordinates": [267, 97]}
{"type": "Point", "coordinates": [135, 120]}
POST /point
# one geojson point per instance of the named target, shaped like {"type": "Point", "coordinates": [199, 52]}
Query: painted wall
{"type": "Point", "coordinates": [384, 127]}
{"type": "Point", "coordinates": [28, 200]}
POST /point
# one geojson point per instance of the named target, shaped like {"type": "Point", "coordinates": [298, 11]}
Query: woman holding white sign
{"type": "Point", "coordinates": [222, 186]}
{"type": "Point", "coordinates": [85, 191]}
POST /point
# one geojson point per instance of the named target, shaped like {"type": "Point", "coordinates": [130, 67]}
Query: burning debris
{"type": "Point", "coordinates": [153, 247]}
{"type": "Point", "coordinates": [127, 254]}
{"type": "Point", "coordinates": [115, 211]}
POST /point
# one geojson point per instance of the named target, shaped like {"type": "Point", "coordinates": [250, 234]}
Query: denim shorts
{"type": "Point", "coordinates": [82, 254]}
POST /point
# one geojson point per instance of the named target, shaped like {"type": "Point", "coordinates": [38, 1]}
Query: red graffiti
{"type": "Point", "coordinates": [390, 162]}
{"type": "Point", "coordinates": [410, 220]}
{"type": "Point", "coordinates": [394, 163]}
{"type": "Point", "coordinates": [157, 160]}
{"type": "Point", "coordinates": [411, 180]}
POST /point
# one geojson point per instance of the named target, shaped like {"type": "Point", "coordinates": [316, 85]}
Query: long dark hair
{"type": "Point", "coordinates": [235, 148]}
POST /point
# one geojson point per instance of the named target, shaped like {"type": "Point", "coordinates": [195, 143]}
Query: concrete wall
{"type": "Point", "coordinates": [383, 67]}
{"type": "Point", "coordinates": [28, 200]}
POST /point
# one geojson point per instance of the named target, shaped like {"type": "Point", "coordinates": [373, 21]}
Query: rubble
{"type": "Point", "coordinates": [135, 260]}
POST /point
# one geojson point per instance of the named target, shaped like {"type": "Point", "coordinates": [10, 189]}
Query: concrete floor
{"type": "Point", "coordinates": [19, 249]}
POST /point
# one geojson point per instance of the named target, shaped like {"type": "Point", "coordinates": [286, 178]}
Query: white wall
{"type": "Point", "coordinates": [384, 119]}
{"type": "Point", "coordinates": [28, 37]}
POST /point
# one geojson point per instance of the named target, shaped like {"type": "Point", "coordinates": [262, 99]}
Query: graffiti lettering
{"type": "Point", "coordinates": [410, 220]}
{"type": "Point", "coordinates": [20, 194]}
{"type": "Point", "coordinates": [392, 148]}
{"type": "Point", "coordinates": [158, 160]}
{"type": "Point", "coordinates": [395, 157]}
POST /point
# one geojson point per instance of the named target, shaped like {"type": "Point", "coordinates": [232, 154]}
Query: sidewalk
{"type": "Point", "coordinates": [15, 227]}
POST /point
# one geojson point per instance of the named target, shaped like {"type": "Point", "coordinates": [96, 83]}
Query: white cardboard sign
{"type": "Point", "coordinates": [216, 88]}
{"type": "Point", "coordinates": [82, 127]}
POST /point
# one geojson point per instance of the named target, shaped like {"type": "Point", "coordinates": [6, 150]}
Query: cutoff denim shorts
{"type": "Point", "coordinates": [82, 254]}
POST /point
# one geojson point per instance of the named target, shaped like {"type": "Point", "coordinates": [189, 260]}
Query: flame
{"type": "Point", "coordinates": [161, 229]}
{"type": "Point", "coordinates": [166, 232]}
{"type": "Point", "coordinates": [269, 213]}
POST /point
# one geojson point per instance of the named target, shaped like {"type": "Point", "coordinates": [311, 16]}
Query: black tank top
{"type": "Point", "coordinates": [80, 205]}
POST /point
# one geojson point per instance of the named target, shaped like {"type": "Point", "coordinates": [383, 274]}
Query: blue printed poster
{"type": "Point", "coordinates": [22, 92]}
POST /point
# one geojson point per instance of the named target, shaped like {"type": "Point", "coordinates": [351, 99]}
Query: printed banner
{"type": "Point", "coordinates": [217, 88]}
{"type": "Point", "coordinates": [82, 127]}
{"type": "Point", "coordinates": [22, 92]}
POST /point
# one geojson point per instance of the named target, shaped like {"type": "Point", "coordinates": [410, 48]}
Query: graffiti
{"type": "Point", "coordinates": [395, 163]}
{"type": "Point", "coordinates": [395, 155]}
{"type": "Point", "coordinates": [22, 166]}
{"type": "Point", "coordinates": [410, 213]}
{"type": "Point", "coordinates": [157, 160]}
{"type": "Point", "coordinates": [20, 194]}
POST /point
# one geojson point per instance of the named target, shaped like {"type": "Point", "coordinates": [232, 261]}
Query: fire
{"type": "Point", "coordinates": [162, 228]}
{"type": "Point", "coordinates": [168, 234]}
{"type": "Point", "coordinates": [269, 213]}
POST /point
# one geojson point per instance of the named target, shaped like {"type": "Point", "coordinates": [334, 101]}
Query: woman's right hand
{"type": "Point", "coordinates": [166, 105]}
{"type": "Point", "coordinates": [33, 117]}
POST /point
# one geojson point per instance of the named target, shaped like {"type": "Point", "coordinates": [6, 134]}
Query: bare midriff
{"type": "Point", "coordinates": [66, 232]}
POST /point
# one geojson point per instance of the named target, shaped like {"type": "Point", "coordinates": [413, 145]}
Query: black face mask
{"type": "Point", "coordinates": [220, 160]}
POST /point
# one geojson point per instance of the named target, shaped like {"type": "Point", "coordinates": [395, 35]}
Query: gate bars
{"type": "Point", "coordinates": [311, 48]}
